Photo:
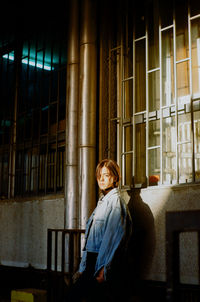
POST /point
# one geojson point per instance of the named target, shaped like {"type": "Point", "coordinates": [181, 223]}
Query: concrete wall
{"type": "Point", "coordinates": [23, 231]}
{"type": "Point", "coordinates": [160, 200]}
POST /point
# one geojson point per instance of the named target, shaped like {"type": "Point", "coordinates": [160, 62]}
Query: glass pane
{"type": "Point", "coordinates": [44, 122]}
{"type": "Point", "coordinates": [114, 83]}
{"type": "Point", "coordinates": [169, 150]}
{"type": "Point", "coordinates": [139, 19]}
{"type": "Point", "coordinates": [182, 81]}
{"type": "Point", "coordinates": [185, 149]}
{"type": "Point", "coordinates": [53, 118]}
{"type": "Point", "coordinates": [167, 68]}
{"type": "Point", "coordinates": [128, 98]}
{"type": "Point", "coordinates": [194, 7]}
{"type": "Point", "coordinates": [154, 91]}
{"type": "Point", "coordinates": [154, 167]}
{"type": "Point", "coordinates": [42, 168]}
{"type": "Point", "coordinates": [28, 127]}
{"type": "Point", "coordinates": [128, 59]}
{"type": "Point", "coordinates": [128, 138]}
{"type": "Point", "coordinates": [36, 124]}
{"type": "Point", "coordinates": [60, 167]}
{"type": "Point", "coordinates": [4, 165]}
{"type": "Point", "coordinates": [62, 94]}
{"type": "Point", "coordinates": [140, 76]}
{"type": "Point", "coordinates": [154, 133]}
{"type": "Point", "coordinates": [197, 144]}
{"type": "Point", "coordinates": [26, 166]}
{"type": "Point", "coordinates": [195, 39]}
{"type": "Point", "coordinates": [182, 50]}
{"type": "Point", "coordinates": [127, 168]}
{"type": "Point", "coordinates": [140, 154]}
{"type": "Point", "coordinates": [185, 163]}
{"type": "Point", "coordinates": [128, 62]}
{"type": "Point", "coordinates": [114, 141]}
{"type": "Point", "coordinates": [166, 13]}
{"type": "Point", "coordinates": [184, 128]}
{"type": "Point", "coordinates": [51, 170]}
{"type": "Point", "coordinates": [34, 170]}
{"type": "Point", "coordinates": [153, 37]}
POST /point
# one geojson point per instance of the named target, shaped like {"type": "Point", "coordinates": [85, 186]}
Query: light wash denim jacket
{"type": "Point", "coordinates": [109, 224]}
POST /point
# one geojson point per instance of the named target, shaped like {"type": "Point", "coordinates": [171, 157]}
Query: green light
{"type": "Point", "coordinates": [10, 56]}
{"type": "Point", "coordinates": [39, 65]}
{"type": "Point", "coordinates": [5, 123]}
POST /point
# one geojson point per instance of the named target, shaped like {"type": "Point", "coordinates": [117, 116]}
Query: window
{"type": "Point", "coordinates": [32, 130]}
{"type": "Point", "coordinates": [158, 108]}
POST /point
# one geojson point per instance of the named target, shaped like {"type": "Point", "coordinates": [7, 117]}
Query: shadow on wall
{"type": "Point", "coordinates": [142, 243]}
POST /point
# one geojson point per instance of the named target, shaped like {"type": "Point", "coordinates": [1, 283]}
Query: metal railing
{"type": "Point", "coordinates": [63, 258]}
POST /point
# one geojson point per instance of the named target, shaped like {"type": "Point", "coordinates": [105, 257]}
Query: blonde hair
{"type": "Point", "coordinates": [112, 166]}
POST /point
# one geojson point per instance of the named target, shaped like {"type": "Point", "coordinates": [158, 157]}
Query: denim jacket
{"type": "Point", "coordinates": [109, 224]}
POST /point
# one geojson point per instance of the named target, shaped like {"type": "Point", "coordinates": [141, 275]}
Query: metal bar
{"type": "Point", "coordinates": [32, 116]}
{"type": "Point", "coordinates": [49, 248]}
{"type": "Point", "coordinates": [79, 247]}
{"type": "Point", "coordinates": [119, 103]}
{"type": "Point", "coordinates": [153, 70]}
{"type": "Point", "coordinates": [161, 103]}
{"type": "Point", "coordinates": [127, 79]}
{"type": "Point", "coordinates": [167, 27]}
{"type": "Point", "coordinates": [63, 253]}
{"type": "Point", "coordinates": [147, 107]}
{"type": "Point", "coordinates": [154, 147]}
{"type": "Point", "coordinates": [191, 102]}
{"type": "Point", "coordinates": [139, 113]}
{"type": "Point", "coordinates": [121, 139]}
{"type": "Point", "coordinates": [109, 105]}
{"type": "Point", "coordinates": [175, 95]}
{"type": "Point", "coordinates": [115, 48]}
{"type": "Point", "coordinates": [183, 60]}
{"type": "Point", "coordinates": [198, 234]}
{"type": "Point", "coordinates": [71, 252]}
{"type": "Point", "coordinates": [183, 143]}
{"type": "Point", "coordinates": [12, 159]}
{"type": "Point", "coordinates": [195, 17]}
{"type": "Point", "coordinates": [127, 152]}
{"type": "Point", "coordinates": [115, 119]}
{"type": "Point", "coordinates": [56, 250]}
{"type": "Point", "coordinates": [141, 38]}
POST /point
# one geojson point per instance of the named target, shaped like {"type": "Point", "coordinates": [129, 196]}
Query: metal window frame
{"type": "Point", "coordinates": [162, 107]}
{"type": "Point", "coordinates": [27, 145]}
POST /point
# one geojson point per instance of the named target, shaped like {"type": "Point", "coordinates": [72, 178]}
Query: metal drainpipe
{"type": "Point", "coordinates": [71, 178]}
{"type": "Point", "coordinates": [87, 110]}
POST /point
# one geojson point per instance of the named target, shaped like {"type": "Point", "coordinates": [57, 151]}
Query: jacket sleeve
{"type": "Point", "coordinates": [114, 232]}
{"type": "Point", "coordinates": [82, 265]}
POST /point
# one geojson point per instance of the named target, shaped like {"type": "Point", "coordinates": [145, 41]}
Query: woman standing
{"type": "Point", "coordinates": [107, 234]}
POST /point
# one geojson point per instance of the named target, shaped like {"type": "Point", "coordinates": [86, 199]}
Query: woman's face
{"type": "Point", "coordinates": [105, 180]}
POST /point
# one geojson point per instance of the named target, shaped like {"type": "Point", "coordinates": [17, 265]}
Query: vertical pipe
{"type": "Point", "coordinates": [71, 178]}
{"type": "Point", "coordinates": [87, 110]}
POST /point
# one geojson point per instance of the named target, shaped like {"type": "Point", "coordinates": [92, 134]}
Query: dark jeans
{"type": "Point", "coordinates": [86, 287]}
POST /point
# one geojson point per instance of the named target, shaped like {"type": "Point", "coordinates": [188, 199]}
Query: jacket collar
{"type": "Point", "coordinates": [109, 194]}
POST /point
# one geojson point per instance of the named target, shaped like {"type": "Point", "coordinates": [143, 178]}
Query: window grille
{"type": "Point", "coordinates": [159, 112]}
{"type": "Point", "coordinates": [32, 130]}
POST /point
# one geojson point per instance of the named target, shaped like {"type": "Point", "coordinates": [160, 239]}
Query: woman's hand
{"type": "Point", "coordinates": [76, 276]}
{"type": "Point", "coordinates": [100, 276]}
